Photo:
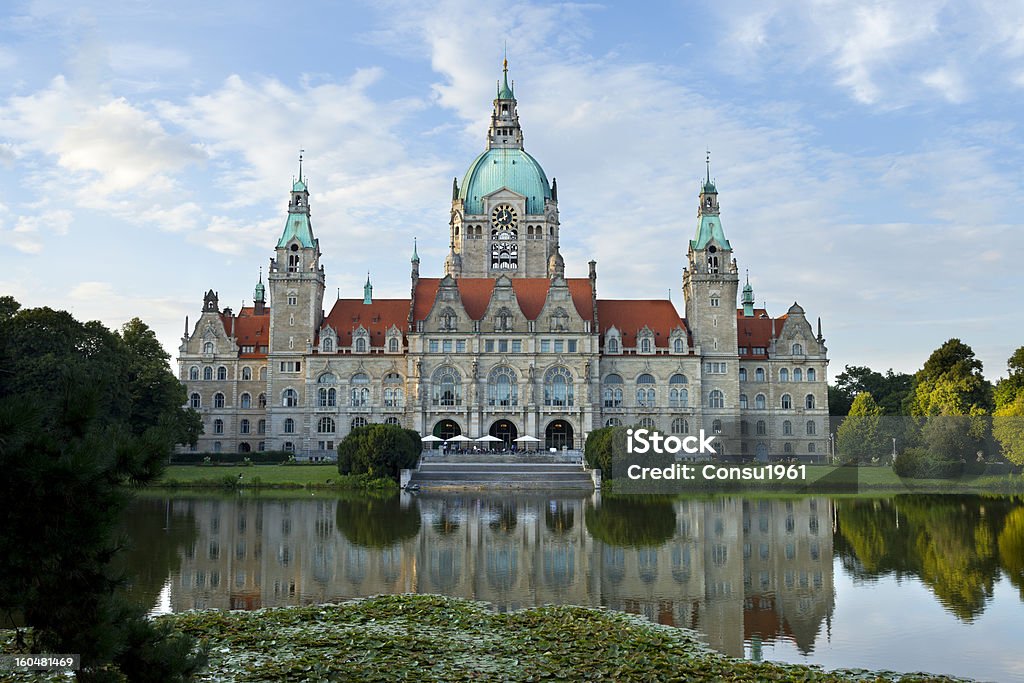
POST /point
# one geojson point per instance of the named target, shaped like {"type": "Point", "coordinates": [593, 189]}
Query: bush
{"type": "Point", "coordinates": [379, 451]}
{"type": "Point", "coordinates": [918, 463]}
{"type": "Point", "coordinates": [258, 458]}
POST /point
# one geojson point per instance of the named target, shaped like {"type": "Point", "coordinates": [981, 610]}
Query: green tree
{"type": "Point", "coordinates": [950, 383]}
{"type": "Point", "coordinates": [379, 451]}
{"type": "Point", "coordinates": [861, 436]}
{"type": "Point", "coordinates": [68, 445]}
{"type": "Point", "coordinates": [888, 390]}
{"type": "Point", "coordinates": [1009, 388]}
{"type": "Point", "coordinates": [1008, 429]}
{"type": "Point", "coordinates": [597, 451]}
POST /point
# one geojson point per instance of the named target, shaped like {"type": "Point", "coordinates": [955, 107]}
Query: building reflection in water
{"type": "Point", "coordinates": [738, 570]}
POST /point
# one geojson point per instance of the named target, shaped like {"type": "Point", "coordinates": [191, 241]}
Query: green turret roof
{"type": "Point", "coordinates": [710, 228]}
{"type": "Point", "coordinates": [297, 227]}
{"type": "Point", "coordinates": [508, 168]}
{"type": "Point", "coordinates": [505, 92]}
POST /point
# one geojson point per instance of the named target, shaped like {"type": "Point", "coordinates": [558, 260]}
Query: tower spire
{"type": "Point", "coordinates": [707, 162]}
{"type": "Point", "coordinates": [301, 151]}
{"type": "Point", "coordinates": [367, 290]}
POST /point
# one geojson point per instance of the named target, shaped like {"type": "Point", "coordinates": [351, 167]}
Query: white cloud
{"type": "Point", "coordinates": [949, 82]}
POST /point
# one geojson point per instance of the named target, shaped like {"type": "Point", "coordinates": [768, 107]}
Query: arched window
{"type": "Point", "coordinates": [328, 345]}
{"type": "Point", "coordinates": [327, 378]}
{"type": "Point", "coordinates": [243, 427]}
{"type": "Point", "coordinates": [327, 397]}
{"type": "Point", "coordinates": [716, 426]}
{"type": "Point", "coordinates": [217, 446]}
{"type": "Point", "coordinates": [759, 375]}
{"type": "Point", "coordinates": [218, 400]}
{"type": "Point", "coordinates": [787, 428]}
{"type": "Point", "coordinates": [207, 373]}
{"type": "Point", "coordinates": [359, 394]}
{"type": "Point", "coordinates": [678, 345]}
{"type": "Point", "coordinates": [393, 393]}
{"type": "Point", "coordinates": [678, 396]}
{"type": "Point", "coordinates": [784, 375]}
{"type": "Point", "coordinates": [193, 373]}
{"type": "Point", "coordinates": [810, 375]}
{"type": "Point", "coordinates": [743, 401]}
{"type": "Point", "coordinates": [208, 347]}
{"type": "Point", "coordinates": [393, 345]}
{"type": "Point", "coordinates": [558, 387]}
{"type": "Point", "coordinates": [358, 422]}
{"type": "Point", "coordinates": [743, 374]}
{"type": "Point", "coordinates": [261, 400]}
{"type": "Point", "coordinates": [716, 399]}
{"type": "Point", "coordinates": [760, 402]}
{"type": "Point", "coordinates": [222, 373]}
{"type": "Point", "coordinates": [244, 447]}
{"type": "Point", "coordinates": [261, 427]}
{"type": "Point", "coordinates": [647, 423]}
{"type": "Point", "coordinates": [218, 426]}
{"type": "Point", "coordinates": [360, 345]}
{"type": "Point", "coordinates": [612, 393]}
{"type": "Point", "coordinates": [246, 373]}
{"type": "Point", "coordinates": [787, 447]}
{"type": "Point", "coordinates": [613, 345]}
{"type": "Point", "coordinates": [812, 429]}
{"type": "Point", "coordinates": [195, 401]}
{"type": "Point", "coordinates": [289, 447]}
{"type": "Point", "coordinates": [447, 387]}
{"type": "Point", "coordinates": [680, 426]}
{"type": "Point", "coordinates": [762, 428]}
{"type": "Point", "coordinates": [289, 398]}
{"type": "Point", "coordinates": [502, 389]}
{"type": "Point", "coordinates": [798, 375]}
{"type": "Point", "coordinates": [263, 373]}
{"type": "Point", "coordinates": [613, 422]}
{"type": "Point", "coordinates": [245, 400]}
{"type": "Point", "coordinates": [798, 349]}
{"type": "Point", "coordinates": [645, 345]}
{"type": "Point", "coordinates": [787, 402]}
{"type": "Point", "coordinates": [325, 425]}
{"type": "Point", "coordinates": [289, 426]}
{"type": "Point", "coordinates": [809, 402]}
{"type": "Point", "coordinates": [645, 397]}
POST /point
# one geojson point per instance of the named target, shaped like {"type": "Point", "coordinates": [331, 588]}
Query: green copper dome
{"type": "Point", "coordinates": [512, 169]}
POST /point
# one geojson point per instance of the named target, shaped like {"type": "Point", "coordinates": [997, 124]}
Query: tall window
{"type": "Point", "coordinates": [325, 425]}
{"type": "Point", "coordinates": [612, 346]}
{"type": "Point", "coordinates": [358, 422]}
{"type": "Point", "coordinates": [218, 426]}
{"type": "Point", "coordinates": [784, 375]}
{"type": "Point", "coordinates": [645, 345]}
{"type": "Point", "coordinates": [762, 428]}
{"type": "Point", "coordinates": [290, 398]}
{"type": "Point", "coordinates": [502, 387]}
{"type": "Point", "coordinates": [811, 428]}
{"type": "Point", "coordinates": [759, 375]}
{"type": "Point", "coordinates": [261, 401]}
{"type": "Point", "coordinates": [645, 391]}
{"type": "Point", "coordinates": [193, 373]}
{"type": "Point", "coordinates": [678, 395]}
{"type": "Point", "coordinates": [261, 427]}
{"type": "Point", "coordinates": [246, 373]}
{"type": "Point", "coordinates": [760, 402]}
{"type": "Point", "coordinates": [359, 394]}
{"type": "Point", "coordinates": [743, 374]}
{"type": "Point", "coordinates": [678, 346]}
{"type": "Point", "coordinates": [360, 345]}
{"type": "Point", "coordinates": [558, 387]}
{"type": "Point", "coordinates": [612, 393]}
{"type": "Point", "coordinates": [195, 401]}
{"type": "Point", "coordinates": [327, 397]}
{"type": "Point", "coordinates": [222, 373]}
{"type": "Point", "coordinates": [743, 401]}
{"type": "Point", "coordinates": [208, 347]}
{"type": "Point", "coordinates": [787, 402]}
{"type": "Point", "coordinates": [810, 375]}
{"type": "Point", "coordinates": [207, 373]}
{"type": "Point", "coordinates": [798, 375]}
{"type": "Point", "coordinates": [393, 393]}
{"type": "Point", "coordinates": [680, 426]}
{"type": "Point", "coordinates": [243, 427]}
{"type": "Point", "coordinates": [716, 399]}
{"type": "Point", "coordinates": [809, 401]}
{"type": "Point", "coordinates": [393, 345]}
{"type": "Point", "coordinates": [218, 400]}
{"type": "Point", "coordinates": [245, 400]}
{"type": "Point", "coordinates": [787, 428]}
{"type": "Point", "coordinates": [328, 345]}
{"type": "Point", "coordinates": [447, 387]}
{"type": "Point", "coordinates": [289, 426]}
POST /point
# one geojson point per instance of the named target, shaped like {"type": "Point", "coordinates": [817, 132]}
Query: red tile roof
{"type": "Point", "coordinates": [756, 331]}
{"type": "Point", "coordinates": [377, 317]}
{"type": "Point", "coordinates": [530, 293]}
{"type": "Point", "coordinates": [250, 330]}
{"type": "Point", "coordinates": [629, 317]}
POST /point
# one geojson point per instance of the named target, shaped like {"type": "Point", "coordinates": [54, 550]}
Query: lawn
{"type": "Point", "coordinates": [251, 475]}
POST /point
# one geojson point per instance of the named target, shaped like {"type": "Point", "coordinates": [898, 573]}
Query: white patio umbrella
{"type": "Point", "coordinates": [431, 438]}
{"type": "Point", "coordinates": [460, 437]}
{"type": "Point", "coordinates": [527, 439]}
{"type": "Point", "coordinates": [488, 438]}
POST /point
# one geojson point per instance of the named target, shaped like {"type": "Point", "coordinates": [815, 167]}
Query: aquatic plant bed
{"type": "Point", "coordinates": [433, 638]}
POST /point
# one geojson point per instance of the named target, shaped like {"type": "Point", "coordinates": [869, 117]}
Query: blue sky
{"type": "Point", "coordinates": [868, 155]}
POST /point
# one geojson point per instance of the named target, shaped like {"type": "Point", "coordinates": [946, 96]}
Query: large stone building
{"type": "Point", "coordinates": [503, 343]}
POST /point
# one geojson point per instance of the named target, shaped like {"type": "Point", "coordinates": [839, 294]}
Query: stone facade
{"type": "Point", "coordinates": [505, 344]}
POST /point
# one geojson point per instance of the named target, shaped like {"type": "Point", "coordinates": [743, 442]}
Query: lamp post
{"type": "Point", "coordinates": [832, 444]}
{"type": "Point", "coordinates": [894, 449]}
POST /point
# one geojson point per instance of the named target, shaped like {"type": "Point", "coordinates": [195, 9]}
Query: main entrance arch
{"type": "Point", "coordinates": [506, 431]}
{"type": "Point", "coordinates": [558, 435]}
{"type": "Point", "coordinates": [446, 429]}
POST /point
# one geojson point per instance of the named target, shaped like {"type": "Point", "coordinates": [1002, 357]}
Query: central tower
{"type": "Point", "coordinates": [504, 218]}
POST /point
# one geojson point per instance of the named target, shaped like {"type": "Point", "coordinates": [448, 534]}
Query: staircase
{"type": "Point", "coordinates": [509, 472]}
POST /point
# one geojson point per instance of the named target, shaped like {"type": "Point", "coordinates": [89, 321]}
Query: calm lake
{"type": "Point", "coordinates": [907, 583]}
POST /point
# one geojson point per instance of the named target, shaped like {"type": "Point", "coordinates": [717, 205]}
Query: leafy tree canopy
{"type": "Point", "coordinates": [950, 383]}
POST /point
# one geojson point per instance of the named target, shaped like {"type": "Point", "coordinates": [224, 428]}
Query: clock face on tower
{"type": "Point", "coordinates": [504, 216]}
